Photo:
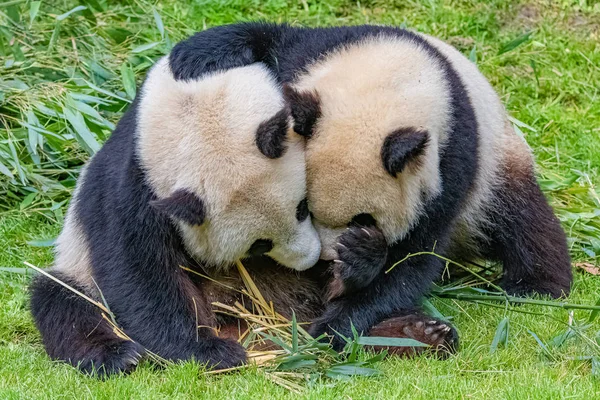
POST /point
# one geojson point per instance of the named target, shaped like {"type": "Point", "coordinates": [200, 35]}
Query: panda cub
{"type": "Point", "coordinates": [409, 150]}
{"type": "Point", "coordinates": [198, 173]}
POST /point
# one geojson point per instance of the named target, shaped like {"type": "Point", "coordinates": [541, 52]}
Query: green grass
{"type": "Point", "coordinates": [66, 79]}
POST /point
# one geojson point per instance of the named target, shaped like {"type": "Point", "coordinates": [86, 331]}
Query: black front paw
{"type": "Point", "coordinates": [112, 357]}
{"type": "Point", "coordinates": [335, 335]}
{"type": "Point", "coordinates": [362, 252]}
{"type": "Point", "coordinates": [523, 288]}
{"type": "Point", "coordinates": [220, 353]}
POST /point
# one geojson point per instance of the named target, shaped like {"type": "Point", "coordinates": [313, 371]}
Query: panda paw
{"type": "Point", "coordinates": [440, 337]}
{"type": "Point", "coordinates": [113, 358]}
{"type": "Point", "coordinates": [528, 289]}
{"type": "Point", "coordinates": [218, 353]}
{"type": "Point", "coordinates": [362, 252]}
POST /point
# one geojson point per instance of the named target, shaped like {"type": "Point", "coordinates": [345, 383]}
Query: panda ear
{"type": "Point", "coordinates": [402, 146]}
{"type": "Point", "coordinates": [271, 134]}
{"type": "Point", "coordinates": [183, 205]}
{"type": "Point", "coordinates": [305, 108]}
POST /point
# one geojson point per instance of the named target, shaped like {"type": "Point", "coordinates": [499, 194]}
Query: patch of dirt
{"type": "Point", "coordinates": [528, 15]}
{"type": "Point", "coordinates": [462, 43]}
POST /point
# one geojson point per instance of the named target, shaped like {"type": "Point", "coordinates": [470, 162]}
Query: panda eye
{"type": "Point", "coordinates": [363, 220]}
{"type": "Point", "coordinates": [302, 210]}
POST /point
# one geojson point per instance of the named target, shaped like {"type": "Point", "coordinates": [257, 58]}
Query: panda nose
{"type": "Point", "coordinates": [260, 247]}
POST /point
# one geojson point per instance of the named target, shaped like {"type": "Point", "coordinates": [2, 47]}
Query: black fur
{"type": "Point", "coordinates": [362, 252]}
{"type": "Point", "coordinates": [183, 205]}
{"type": "Point", "coordinates": [302, 211]}
{"type": "Point", "coordinates": [305, 108]}
{"type": "Point", "coordinates": [271, 135]}
{"type": "Point", "coordinates": [135, 254]}
{"type": "Point", "coordinates": [529, 240]}
{"type": "Point", "coordinates": [74, 330]}
{"type": "Point", "coordinates": [401, 147]}
{"type": "Point", "coordinates": [222, 48]}
{"type": "Point", "coordinates": [260, 247]}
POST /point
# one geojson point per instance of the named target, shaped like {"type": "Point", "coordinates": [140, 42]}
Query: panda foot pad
{"type": "Point", "coordinates": [440, 336]}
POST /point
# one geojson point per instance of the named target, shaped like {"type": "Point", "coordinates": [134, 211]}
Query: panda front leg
{"type": "Point", "coordinates": [393, 295]}
{"type": "Point", "coordinates": [161, 308]}
{"type": "Point", "coordinates": [528, 239]}
{"type": "Point", "coordinates": [74, 330]}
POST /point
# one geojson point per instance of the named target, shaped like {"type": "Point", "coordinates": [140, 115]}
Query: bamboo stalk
{"type": "Point", "coordinates": [513, 299]}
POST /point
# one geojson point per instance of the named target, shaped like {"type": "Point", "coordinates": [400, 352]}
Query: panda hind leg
{"type": "Point", "coordinates": [73, 330]}
{"type": "Point", "coordinates": [527, 237]}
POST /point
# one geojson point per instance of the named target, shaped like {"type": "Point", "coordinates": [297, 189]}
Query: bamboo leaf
{"type": "Point", "coordinates": [4, 169]}
{"type": "Point", "coordinates": [541, 344]}
{"type": "Point", "coordinates": [68, 13]}
{"type": "Point", "coordinates": [83, 134]}
{"type": "Point", "coordinates": [294, 333]}
{"type": "Point", "coordinates": [501, 336]}
{"type": "Point", "coordinates": [144, 47]}
{"type": "Point", "coordinates": [34, 137]}
{"type": "Point", "coordinates": [389, 342]}
{"type": "Point", "coordinates": [351, 370]}
{"type": "Point", "coordinates": [513, 44]}
{"type": "Point", "coordinates": [27, 200]}
{"type": "Point", "coordinates": [159, 23]}
{"type": "Point", "coordinates": [128, 79]}
{"type": "Point", "coordinates": [34, 7]}
{"type": "Point", "coordinates": [15, 270]}
{"type": "Point", "coordinates": [473, 54]}
{"type": "Point", "coordinates": [594, 313]}
{"type": "Point", "coordinates": [42, 242]}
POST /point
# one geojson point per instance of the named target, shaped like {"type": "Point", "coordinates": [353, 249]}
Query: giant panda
{"type": "Point", "coordinates": [197, 174]}
{"type": "Point", "coordinates": [409, 150]}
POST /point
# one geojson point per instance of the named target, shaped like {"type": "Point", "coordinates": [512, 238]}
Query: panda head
{"type": "Point", "coordinates": [225, 165]}
{"type": "Point", "coordinates": [375, 114]}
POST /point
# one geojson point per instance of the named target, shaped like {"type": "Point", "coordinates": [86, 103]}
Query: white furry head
{"type": "Point", "coordinates": [198, 142]}
{"type": "Point", "coordinates": [383, 112]}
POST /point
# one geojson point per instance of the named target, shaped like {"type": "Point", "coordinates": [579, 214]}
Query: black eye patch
{"type": "Point", "coordinates": [401, 147]}
{"type": "Point", "coordinates": [363, 220]}
{"type": "Point", "coordinates": [302, 210]}
{"type": "Point", "coordinates": [260, 247]}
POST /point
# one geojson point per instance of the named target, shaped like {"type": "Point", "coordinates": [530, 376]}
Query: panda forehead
{"type": "Point", "coordinates": [202, 134]}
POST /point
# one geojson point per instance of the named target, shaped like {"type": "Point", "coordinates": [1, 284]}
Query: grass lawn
{"type": "Point", "coordinates": [66, 77]}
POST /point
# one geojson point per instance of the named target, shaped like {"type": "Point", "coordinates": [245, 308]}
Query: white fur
{"type": "Point", "coordinates": [72, 255]}
{"type": "Point", "coordinates": [368, 90]}
{"type": "Point", "coordinates": [201, 136]}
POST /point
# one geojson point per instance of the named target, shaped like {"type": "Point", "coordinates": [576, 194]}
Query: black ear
{"type": "Point", "coordinates": [305, 108]}
{"type": "Point", "coordinates": [183, 205]}
{"type": "Point", "coordinates": [271, 134]}
{"type": "Point", "coordinates": [402, 146]}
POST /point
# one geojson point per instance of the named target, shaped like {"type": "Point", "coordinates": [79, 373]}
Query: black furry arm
{"type": "Point", "coordinates": [398, 291]}
{"type": "Point", "coordinates": [222, 48]}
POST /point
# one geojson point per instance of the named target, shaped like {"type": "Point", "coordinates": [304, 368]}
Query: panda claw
{"type": "Point", "coordinates": [366, 231]}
